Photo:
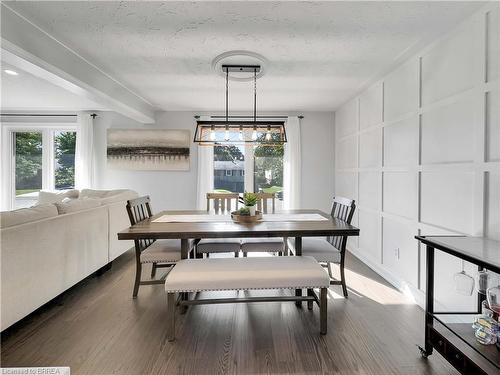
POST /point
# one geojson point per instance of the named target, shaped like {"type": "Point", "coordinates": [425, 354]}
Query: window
{"type": "Point", "coordinates": [229, 158]}
{"type": "Point", "coordinates": [260, 169]}
{"type": "Point", "coordinates": [43, 157]}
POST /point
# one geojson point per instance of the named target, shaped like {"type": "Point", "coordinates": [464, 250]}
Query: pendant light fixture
{"type": "Point", "coordinates": [270, 132]}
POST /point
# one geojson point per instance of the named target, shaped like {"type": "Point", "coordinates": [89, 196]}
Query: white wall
{"type": "Point", "coordinates": [420, 152]}
{"type": "Point", "coordinates": [177, 190]}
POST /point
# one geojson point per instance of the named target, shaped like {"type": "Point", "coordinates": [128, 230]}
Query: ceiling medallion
{"type": "Point", "coordinates": [241, 58]}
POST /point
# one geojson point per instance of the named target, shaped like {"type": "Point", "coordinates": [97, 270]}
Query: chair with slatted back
{"type": "Point", "coordinates": [221, 204]}
{"type": "Point", "coordinates": [266, 203]}
{"type": "Point", "coordinates": [331, 250]}
{"type": "Point", "coordinates": [160, 253]}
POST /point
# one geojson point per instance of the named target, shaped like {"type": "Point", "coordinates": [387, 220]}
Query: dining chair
{"type": "Point", "coordinates": [266, 203]}
{"type": "Point", "coordinates": [160, 253]}
{"type": "Point", "coordinates": [221, 204]}
{"type": "Point", "coordinates": [331, 250]}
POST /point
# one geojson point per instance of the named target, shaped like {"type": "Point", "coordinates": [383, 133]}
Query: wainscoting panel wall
{"type": "Point", "coordinates": [419, 150]}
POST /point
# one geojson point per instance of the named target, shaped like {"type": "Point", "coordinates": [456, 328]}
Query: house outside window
{"type": "Point", "coordinates": [251, 167]}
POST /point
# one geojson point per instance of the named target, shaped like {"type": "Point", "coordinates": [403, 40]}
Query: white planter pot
{"type": "Point", "coordinates": [252, 210]}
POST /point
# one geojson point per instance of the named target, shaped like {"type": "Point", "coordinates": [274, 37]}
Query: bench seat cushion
{"type": "Point", "coordinates": [162, 251]}
{"type": "Point", "coordinates": [318, 248]}
{"type": "Point", "coordinates": [196, 275]}
{"type": "Point", "coordinates": [219, 245]}
{"type": "Point", "coordinates": [272, 245]}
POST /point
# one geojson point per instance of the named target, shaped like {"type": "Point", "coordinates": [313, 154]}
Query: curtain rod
{"type": "Point", "coordinates": [93, 115]}
{"type": "Point", "coordinates": [35, 115]}
{"type": "Point", "coordinates": [223, 117]}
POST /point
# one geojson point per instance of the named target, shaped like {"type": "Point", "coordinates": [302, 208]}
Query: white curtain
{"type": "Point", "coordinates": [292, 165]}
{"type": "Point", "coordinates": [205, 173]}
{"type": "Point", "coordinates": [84, 158]}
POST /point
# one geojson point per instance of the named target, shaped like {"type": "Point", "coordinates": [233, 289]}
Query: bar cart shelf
{"type": "Point", "coordinates": [450, 333]}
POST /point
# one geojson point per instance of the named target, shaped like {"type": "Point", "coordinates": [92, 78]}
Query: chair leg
{"type": "Point", "coordinates": [138, 272]}
{"type": "Point", "coordinates": [153, 270]}
{"type": "Point", "coordinates": [342, 279]}
{"type": "Point", "coordinates": [171, 316]}
{"type": "Point", "coordinates": [309, 303]}
{"type": "Point", "coordinates": [323, 309]}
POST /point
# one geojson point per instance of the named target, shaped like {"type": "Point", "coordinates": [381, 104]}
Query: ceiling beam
{"type": "Point", "coordinates": [26, 46]}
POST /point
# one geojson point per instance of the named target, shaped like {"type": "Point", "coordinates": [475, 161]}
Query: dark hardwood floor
{"type": "Point", "coordinates": [97, 328]}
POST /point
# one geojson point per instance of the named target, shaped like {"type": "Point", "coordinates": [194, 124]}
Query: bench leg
{"type": "Point", "coordinates": [298, 293]}
{"type": "Point", "coordinates": [171, 316]}
{"type": "Point", "coordinates": [310, 303]}
{"type": "Point", "coordinates": [323, 308]}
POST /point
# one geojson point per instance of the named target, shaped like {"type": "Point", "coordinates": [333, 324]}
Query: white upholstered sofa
{"type": "Point", "coordinates": [50, 247]}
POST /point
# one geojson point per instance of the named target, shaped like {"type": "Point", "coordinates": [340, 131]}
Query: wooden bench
{"type": "Point", "coordinates": [256, 273]}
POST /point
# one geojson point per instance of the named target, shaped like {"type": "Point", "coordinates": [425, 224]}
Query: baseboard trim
{"type": "Point", "coordinates": [396, 281]}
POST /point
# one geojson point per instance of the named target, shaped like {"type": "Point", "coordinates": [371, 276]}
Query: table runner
{"type": "Point", "coordinates": [208, 218]}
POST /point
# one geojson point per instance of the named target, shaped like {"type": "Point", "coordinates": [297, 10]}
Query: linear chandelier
{"type": "Point", "coordinates": [209, 133]}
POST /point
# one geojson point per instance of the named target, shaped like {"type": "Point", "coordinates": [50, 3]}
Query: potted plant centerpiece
{"type": "Point", "coordinates": [249, 200]}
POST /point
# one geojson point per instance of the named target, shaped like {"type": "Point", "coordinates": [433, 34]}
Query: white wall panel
{"type": "Point", "coordinates": [370, 149]}
{"type": "Point", "coordinates": [346, 184]}
{"type": "Point", "coordinates": [450, 67]}
{"type": "Point", "coordinates": [493, 125]}
{"type": "Point", "coordinates": [347, 153]}
{"type": "Point", "coordinates": [370, 107]}
{"type": "Point", "coordinates": [401, 91]}
{"type": "Point", "coordinates": [493, 206]}
{"type": "Point", "coordinates": [400, 193]}
{"type": "Point", "coordinates": [447, 200]}
{"type": "Point", "coordinates": [370, 190]}
{"type": "Point", "coordinates": [346, 119]}
{"type": "Point", "coordinates": [493, 44]}
{"type": "Point", "coordinates": [400, 249]}
{"type": "Point", "coordinates": [369, 236]}
{"type": "Point", "coordinates": [437, 110]}
{"type": "Point", "coordinates": [401, 143]}
{"type": "Point", "coordinates": [448, 132]}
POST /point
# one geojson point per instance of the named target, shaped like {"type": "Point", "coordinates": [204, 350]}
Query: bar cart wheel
{"type": "Point", "coordinates": [423, 352]}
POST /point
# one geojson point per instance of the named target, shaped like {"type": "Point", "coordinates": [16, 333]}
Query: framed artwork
{"type": "Point", "coordinates": [148, 149]}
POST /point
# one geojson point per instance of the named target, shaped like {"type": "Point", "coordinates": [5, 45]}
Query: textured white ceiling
{"type": "Point", "coordinates": [320, 53]}
{"type": "Point", "coordinates": [26, 92]}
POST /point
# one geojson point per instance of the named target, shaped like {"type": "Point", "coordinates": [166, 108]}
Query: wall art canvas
{"type": "Point", "coordinates": [145, 149]}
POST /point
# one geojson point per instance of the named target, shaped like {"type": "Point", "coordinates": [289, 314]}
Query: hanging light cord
{"type": "Point", "coordinates": [227, 94]}
{"type": "Point", "coordinates": [255, 95]}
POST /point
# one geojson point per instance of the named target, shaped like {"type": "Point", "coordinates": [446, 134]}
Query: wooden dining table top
{"type": "Point", "coordinates": [228, 228]}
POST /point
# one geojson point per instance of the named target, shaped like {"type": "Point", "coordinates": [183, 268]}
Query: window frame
{"type": "Point", "coordinates": [48, 131]}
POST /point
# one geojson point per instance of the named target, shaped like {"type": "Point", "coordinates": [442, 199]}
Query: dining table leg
{"type": "Point", "coordinates": [298, 252]}
{"type": "Point", "coordinates": [184, 255]}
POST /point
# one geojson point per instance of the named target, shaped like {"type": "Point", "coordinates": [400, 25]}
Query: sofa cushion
{"type": "Point", "coordinates": [48, 196]}
{"type": "Point", "coordinates": [120, 197]}
{"type": "Point", "coordinates": [77, 205]}
{"type": "Point", "coordinates": [99, 194]}
{"type": "Point", "coordinates": [26, 215]}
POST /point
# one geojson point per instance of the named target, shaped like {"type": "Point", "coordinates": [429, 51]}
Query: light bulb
{"type": "Point", "coordinates": [268, 136]}
{"type": "Point", "coordinates": [254, 134]}
{"type": "Point", "coordinates": [212, 135]}
{"type": "Point", "coordinates": [240, 136]}
{"type": "Point", "coordinates": [226, 135]}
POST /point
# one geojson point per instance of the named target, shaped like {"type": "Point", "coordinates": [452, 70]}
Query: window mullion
{"type": "Point", "coordinates": [249, 167]}
{"type": "Point", "coordinates": [48, 160]}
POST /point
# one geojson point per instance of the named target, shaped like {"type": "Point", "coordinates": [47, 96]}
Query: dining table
{"type": "Point", "coordinates": [188, 225]}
